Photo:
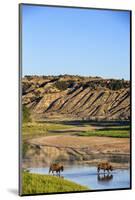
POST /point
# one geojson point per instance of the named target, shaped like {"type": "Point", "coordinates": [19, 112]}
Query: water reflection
{"type": "Point", "coordinates": [87, 175]}
{"type": "Point", "coordinates": [104, 177]}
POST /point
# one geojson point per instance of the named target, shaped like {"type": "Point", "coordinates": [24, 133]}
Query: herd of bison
{"type": "Point", "coordinates": [57, 167]}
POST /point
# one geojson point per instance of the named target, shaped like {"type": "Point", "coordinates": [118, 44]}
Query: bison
{"type": "Point", "coordinates": [56, 168]}
{"type": "Point", "coordinates": [106, 166]}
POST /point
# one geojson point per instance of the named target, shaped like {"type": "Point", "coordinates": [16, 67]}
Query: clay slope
{"type": "Point", "coordinates": [76, 97]}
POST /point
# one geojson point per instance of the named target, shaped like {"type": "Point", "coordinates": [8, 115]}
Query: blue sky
{"type": "Point", "coordinates": [75, 41]}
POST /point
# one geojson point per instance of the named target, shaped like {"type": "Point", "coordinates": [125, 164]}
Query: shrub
{"type": "Point", "coordinates": [116, 84]}
{"type": "Point", "coordinates": [61, 85]}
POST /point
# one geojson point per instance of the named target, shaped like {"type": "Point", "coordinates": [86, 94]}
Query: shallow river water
{"type": "Point", "coordinates": [87, 176]}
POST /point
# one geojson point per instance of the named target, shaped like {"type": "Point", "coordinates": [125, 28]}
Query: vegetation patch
{"type": "Point", "coordinates": [61, 85]}
{"type": "Point", "coordinates": [36, 183]}
{"type": "Point", "coordinates": [25, 147]}
{"type": "Point", "coordinates": [35, 129]}
{"type": "Point", "coordinates": [25, 114]}
{"type": "Point", "coordinates": [117, 132]}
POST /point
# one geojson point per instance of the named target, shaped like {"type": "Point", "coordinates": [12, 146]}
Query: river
{"type": "Point", "coordinates": [87, 176]}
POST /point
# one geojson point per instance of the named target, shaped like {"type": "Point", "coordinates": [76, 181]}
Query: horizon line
{"type": "Point", "coordinates": [90, 76]}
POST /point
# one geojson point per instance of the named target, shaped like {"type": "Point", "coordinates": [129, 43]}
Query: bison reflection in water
{"type": "Point", "coordinates": [56, 168]}
{"type": "Point", "coordinates": [105, 178]}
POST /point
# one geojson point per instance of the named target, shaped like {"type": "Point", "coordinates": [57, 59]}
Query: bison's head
{"type": "Point", "coordinates": [111, 168]}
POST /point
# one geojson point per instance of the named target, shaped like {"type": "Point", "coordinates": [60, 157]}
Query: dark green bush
{"type": "Point", "coordinates": [116, 84]}
{"type": "Point", "coordinates": [61, 85]}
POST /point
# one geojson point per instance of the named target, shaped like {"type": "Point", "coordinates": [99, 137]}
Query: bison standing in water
{"type": "Point", "coordinates": [106, 166]}
{"type": "Point", "coordinates": [56, 168]}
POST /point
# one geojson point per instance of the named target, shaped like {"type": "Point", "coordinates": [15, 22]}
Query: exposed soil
{"type": "Point", "coordinates": [76, 97]}
{"type": "Point", "coordinates": [96, 144]}
{"type": "Point", "coordinates": [67, 148]}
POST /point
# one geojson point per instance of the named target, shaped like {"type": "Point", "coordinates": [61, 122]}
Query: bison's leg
{"type": "Point", "coordinates": [57, 173]}
{"type": "Point", "coordinates": [98, 170]}
{"type": "Point", "coordinates": [49, 170]}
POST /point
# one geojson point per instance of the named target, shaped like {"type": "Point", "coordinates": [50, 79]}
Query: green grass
{"type": "Point", "coordinates": [124, 128]}
{"type": "Point", "coordinates": [35, 129]}
{"type": "Point", "coordinates": [36, 183]}
{"type": "Point", "coordinates": [117, 132]}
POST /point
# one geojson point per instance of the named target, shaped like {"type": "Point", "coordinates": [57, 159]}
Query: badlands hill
{"type": "Point", "coordinates": [76, 97]}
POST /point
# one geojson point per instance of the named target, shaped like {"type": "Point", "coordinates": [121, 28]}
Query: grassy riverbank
{"type": "Point", "coordinates": [116, 132]}
{"type": "Point", "coordinates": [37, 129]}
{"type": "Point", "coordinates": [36, 183]}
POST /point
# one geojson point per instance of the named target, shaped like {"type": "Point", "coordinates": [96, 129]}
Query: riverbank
{"type": "Point", "coordinates": [114, 164]}
{"type": "Point", "coordinates": [69, 148]}
{"type": "Point", "coordinates": [87, 175]}
{"type": "Point", "coordinates": [90, 163]}
{"type": "Point", "coordinates": [38, 184]}
{"type": "Point", "coordinates": [86, 142]}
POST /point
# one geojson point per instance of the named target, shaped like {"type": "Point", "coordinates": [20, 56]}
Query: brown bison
{"type": "Point", "coordinates": [56, 168]}
{"type": "Point", "coordinates": [106, 166]}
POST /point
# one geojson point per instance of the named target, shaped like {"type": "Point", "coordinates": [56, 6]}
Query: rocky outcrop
{"type": "Point", "coordinates": [76, 97]}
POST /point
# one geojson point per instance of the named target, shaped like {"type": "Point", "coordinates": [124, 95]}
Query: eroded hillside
{"type": "Point", "coordinates": [76, 97]}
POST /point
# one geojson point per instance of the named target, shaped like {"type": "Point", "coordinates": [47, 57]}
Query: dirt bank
{"type": "Point", "coordinates": [67, 148]}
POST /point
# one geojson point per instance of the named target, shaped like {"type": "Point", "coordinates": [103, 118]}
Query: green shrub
{"type": "Point", "coordinates": [116, 84]}
{"type": "Point", "coordinates": [61, 85]}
